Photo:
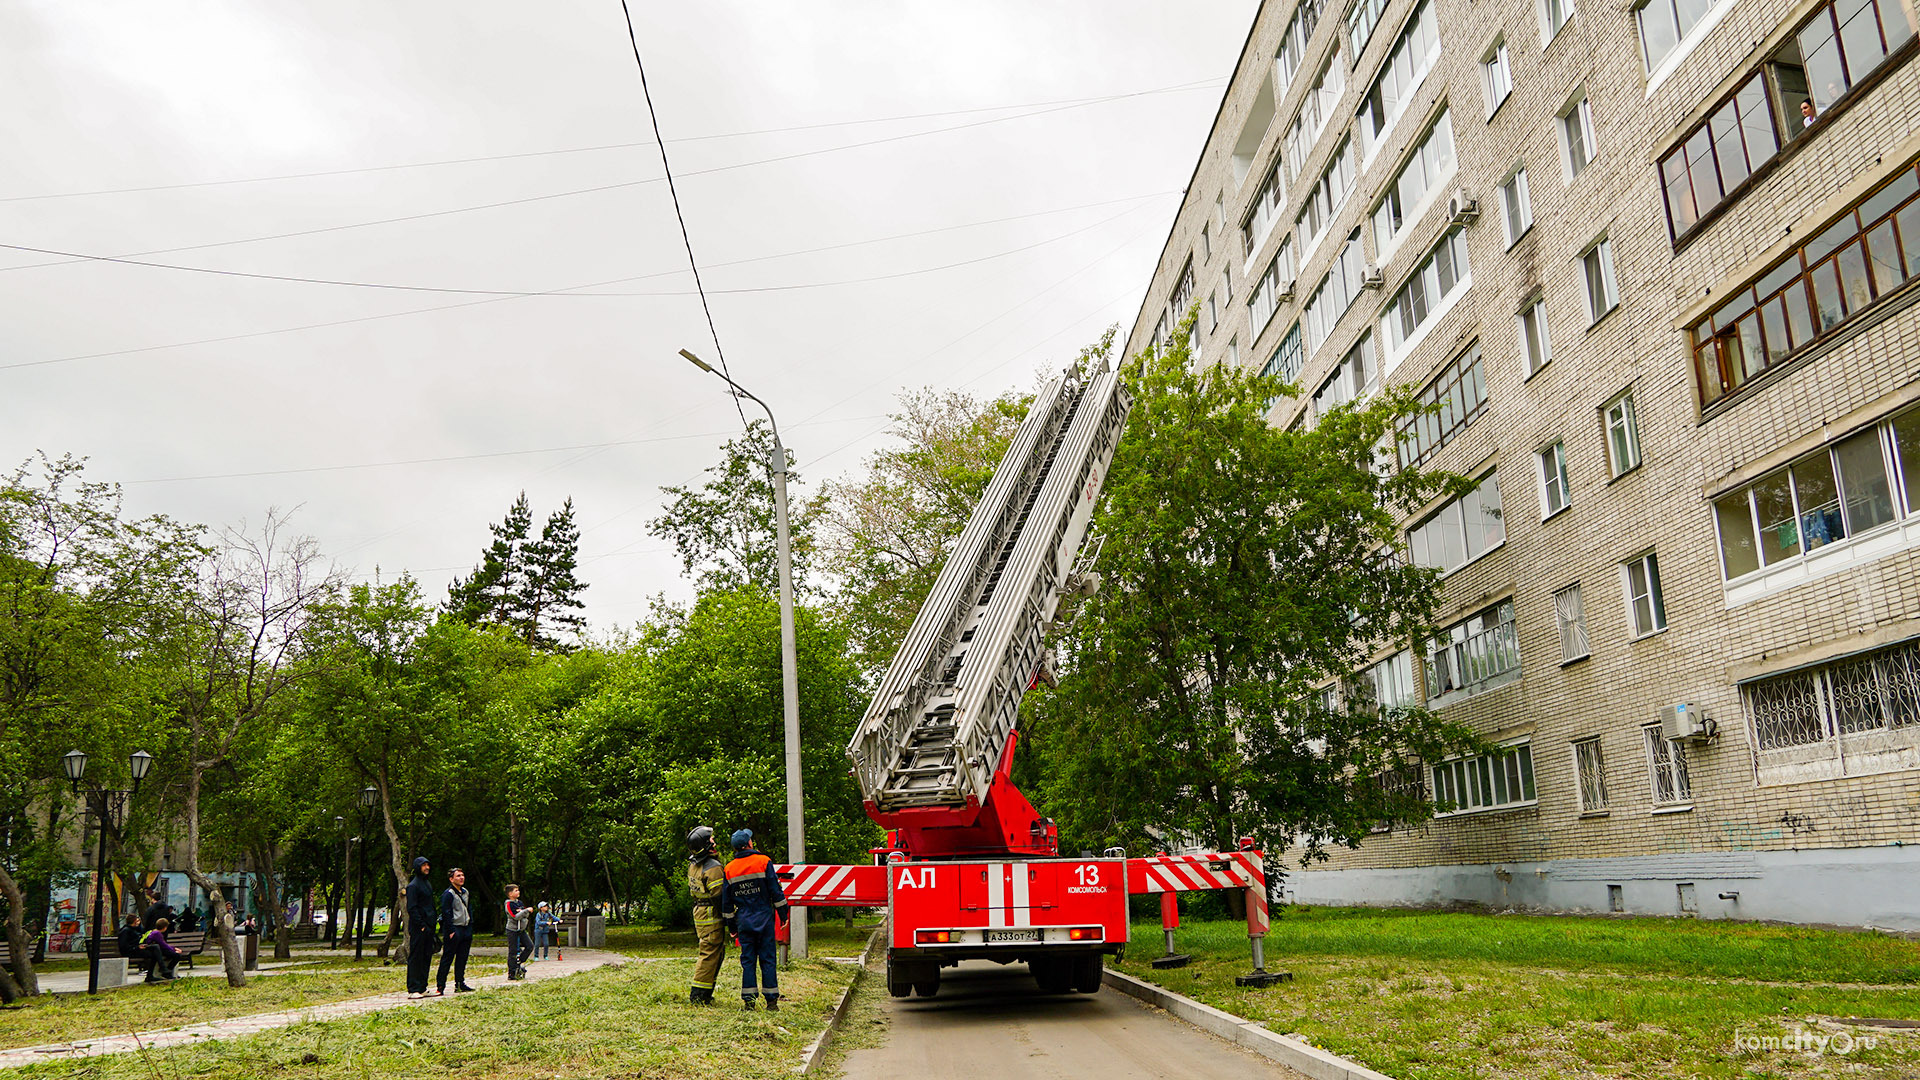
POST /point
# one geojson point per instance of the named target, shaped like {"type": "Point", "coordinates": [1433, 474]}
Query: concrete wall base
{"type": "Point", "coordinates": [1863, 887]}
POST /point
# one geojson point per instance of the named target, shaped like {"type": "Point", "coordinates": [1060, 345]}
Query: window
{"type": "Point", "coordinates": [1476, 654]}
{"type": "Point", "coordinates": [1667, 767]}
{"type": "Point", "coordinates": [1427, 168]}
{"type": "Point", "coordinates": [1315, 110]}
{"type": "Point", "coordinates": [1402, 785]}
{"type": "Point", "coordinates": [1460, 392]}
{"type": "Point", "coordinates": [1182, 293]}
{"type": "Point", "coordinates": [1336, 291]}
{"type": "Point", "coordinates": [1646, 613]}
{"type": "Point", "coordinates": [1485, 783]}
{"type": "Point", "coordinates": [1497, 76]}
{"type": "Point", "coordinates": [1587, 765]}
{"type": "Point", "coordinates": [1269, 202]}
{"type": "Point", "coordinates": [1623, 434]}
{"type": "Point", "coordinates": [1597, 267]}
{"type": "Point", "coordinates": [1577, 146]}
{"type": "Point", "coordinates": [1718, 156]}
{"type": "Point", "coordinates": [1160, 336]}
{"type": "Point", "coordinates": [1666, 23]}
{"type": "Point", "coordinates": [1571, 615]}
{"type": "Point", "coordinates": [1356, 376]}
{"type": "Point", "coordinates": [1440, 276]}
{"type": "Point", "coordinates": [1264, 299]}
{"type": "Point", "coordinates": [1413, 55]}
{"type": "Point", "coordinates": [1360, 23]}
{"type": "Point", "coordinates": [1233, 351]}
{"type": "Point", "coordinates": [1391, 682]}
{"type": "Point", "coordinates": [1836, 492]}
{"type": "Point", "coordinates": [1553, 480]}
{"type": "Point", "coordinates": [1873, 693]}
{"type": "Point", "coordinates": [1286, 359]}
{"type": "Point", "coordinates": [1212, 311]}
{"type": "Point", "coordinates": [1516, 209]}
{"type": "Point", "coordinates": [1832, 52]}
{"type": "Point", "coordinates": [1873, 249]}
{"type": "Point", "coordinates": [1293, 46]}
{"type": "Point", "coordinates": [1533, 336]}
{"type": "Point", "coordinates": [1462, 530]}
{"type": "Point", "coordinates": [1206, 241]}
{"type": "Point", "coordinates": [1325, 199]}
{"type": "Point", "coordinates": [1556, 13]}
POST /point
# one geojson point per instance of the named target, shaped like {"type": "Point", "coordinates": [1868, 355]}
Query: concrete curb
{"type": "Point", "coordinates": [816, 1051]}
{"type": "Point", "coordinates": [1294, 1054]}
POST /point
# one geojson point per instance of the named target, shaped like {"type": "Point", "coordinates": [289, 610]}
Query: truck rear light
{"type": "Point", "coordinates": [1084, 933]}
{"type": "Point", "coordinates": [933, 937]}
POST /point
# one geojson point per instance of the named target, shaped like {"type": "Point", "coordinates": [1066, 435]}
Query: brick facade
{"type": "Point", "coordinates": [1863, 372]}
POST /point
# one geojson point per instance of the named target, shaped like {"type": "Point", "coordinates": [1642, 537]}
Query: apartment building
{"type": "Point", "coordinates": [1659, 265]}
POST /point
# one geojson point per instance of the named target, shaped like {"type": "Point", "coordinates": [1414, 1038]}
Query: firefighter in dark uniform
{"type": "Point", "coordinates": [706, 879]}
{"type": "Point", "coordinates": [754, 904]}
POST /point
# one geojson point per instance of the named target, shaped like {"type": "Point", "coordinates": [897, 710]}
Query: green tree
{"type": "Point", "coordinates": [529, 586]}
{"type": "Point", "coordinates": [886, 534]}
{"type": "Point", "coordinates": [1244, 568]}
{"type": "Point", "coordinates": [724, 529]}
{"type": "Point", "coordinates": [487, 595]}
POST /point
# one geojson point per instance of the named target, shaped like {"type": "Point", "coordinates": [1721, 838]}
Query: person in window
{"type": "Point", "coordinates": [1807, 115]}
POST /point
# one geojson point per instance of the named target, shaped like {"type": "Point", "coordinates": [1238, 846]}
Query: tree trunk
{"type": "Point", "coordinates": [40, 889]}
{"type": "Point", "coordinates": [395, 947]}
{"type": "Point", "coordinates": [276, 915]}
{"type": "Point", "coordinates": [516, 845]}
{"type": "Point", "coordinates": [20, 981]}
{"type": "Point", "coordinates": [230, 957]}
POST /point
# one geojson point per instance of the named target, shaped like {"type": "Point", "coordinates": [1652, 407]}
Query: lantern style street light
{"type": "Point", "coordinates": [363, 912]}
{"type": "Point", "coordinates": [107, 806]}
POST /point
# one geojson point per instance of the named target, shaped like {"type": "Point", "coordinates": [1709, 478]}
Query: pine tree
{"type": "Point", "coordinates": [548, 596]}
{"type": "Point", "coordinates": [488, 595]}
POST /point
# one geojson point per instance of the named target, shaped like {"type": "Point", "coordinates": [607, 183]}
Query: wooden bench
{"type": "Point", "coordinates": [6, 951]}
{"type": "Point", "coordinates": [190, 945]}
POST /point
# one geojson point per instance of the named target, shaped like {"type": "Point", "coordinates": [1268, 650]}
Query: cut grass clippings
{"type": "Point", "coordinates": [632, 1020]}
{"type": "Point", "coordinates": [52, 1018]}
{"type": "Point", "coordinates": [1456, 996]}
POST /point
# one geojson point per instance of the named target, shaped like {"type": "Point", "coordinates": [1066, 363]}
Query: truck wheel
{"type": "Point", "coordinates": [898, 984]}
{"type": "Point", "coordinates": [1053, 973]}
{"type": "Point", "coordinates": [1087, 973]}
{"type": "Point", "coordinates": [928, 983]}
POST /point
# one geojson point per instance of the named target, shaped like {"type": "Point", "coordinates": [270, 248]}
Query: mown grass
{"type": "Point", "coordinates": [626, 1021]}
{"type": "Point", "coordinates": [148, 1007]}
{"type": "Point", "coordinates": [1430, 996]}
{"type": "Point", "coordinates": [829, 938]}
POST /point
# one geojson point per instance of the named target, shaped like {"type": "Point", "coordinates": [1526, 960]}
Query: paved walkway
{"type": "Point", "coordinates": [578, 960]}
{"type": "Point", "coordinates": [206, 965]}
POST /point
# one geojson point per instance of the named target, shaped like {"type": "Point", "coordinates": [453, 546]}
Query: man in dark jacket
{"type": "Point", "coordinates": [456, 932]}
{"type": "Point", "coordinates": [157, 909]}
{"type": "Point", "coordinates": [129, 941]}
{"type": "Point", "coordinates": [754, 904]}
{"type": "Point", "coordinates": [420, 924]}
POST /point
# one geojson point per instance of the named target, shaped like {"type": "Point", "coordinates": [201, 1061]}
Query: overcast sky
{"type": "Point", "coordinates": [970, 249]}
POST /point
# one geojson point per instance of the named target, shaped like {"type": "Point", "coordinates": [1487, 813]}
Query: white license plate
{"type": "Point", "coordinates": [995, 936]}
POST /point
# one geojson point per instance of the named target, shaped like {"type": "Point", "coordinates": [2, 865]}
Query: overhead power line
{"type": "Point", "coordinates": [1201, 84]}
{"type": "Point", "coordinates": [597, 189]}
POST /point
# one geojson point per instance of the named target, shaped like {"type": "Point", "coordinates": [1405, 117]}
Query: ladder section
{"type": "Point", "coordinates": [977, 639]}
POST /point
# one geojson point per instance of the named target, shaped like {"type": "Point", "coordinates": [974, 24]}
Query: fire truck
{"type": "Point", "coordinates": [971, 869]}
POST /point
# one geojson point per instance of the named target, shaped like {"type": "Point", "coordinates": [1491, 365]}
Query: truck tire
{"type": "Point", "coordinates": [1088, 972]}
{"type": "Point", "coordinates": [927, 981]}
{"type": "Point", "coordinates": [1054, 974]}
{"type": "Point", "coordinates": [898, 983]}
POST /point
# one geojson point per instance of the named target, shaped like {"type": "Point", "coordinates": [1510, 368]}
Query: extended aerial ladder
{"type": "Point", "coordinates": [971, 869]}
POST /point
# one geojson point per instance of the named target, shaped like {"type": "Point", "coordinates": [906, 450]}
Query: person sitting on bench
{"type": "Point", "coordinates": [129, 938]}
{"type": "Point", "coordinates": [161, 955]}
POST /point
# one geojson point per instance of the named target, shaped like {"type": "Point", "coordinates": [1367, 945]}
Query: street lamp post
{"type": "Point", "coordinates": [106, 804]}
{"type": "Point", "coordinates": [789, 663]}
{"type": "Point", "coordinates": [362, 916]}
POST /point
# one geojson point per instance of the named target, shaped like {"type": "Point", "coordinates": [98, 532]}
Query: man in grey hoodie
{"type": "Point", "coordinates": [456, 928]}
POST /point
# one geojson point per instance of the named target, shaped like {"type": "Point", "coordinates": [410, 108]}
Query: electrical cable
{"type": "Point", "coordinates": [524, 200]}
{"type": "Point", "coordinates": [1180, 88]}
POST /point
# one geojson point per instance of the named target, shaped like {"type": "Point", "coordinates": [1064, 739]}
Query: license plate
{"type": "Point", "coordinates": [994, 936]}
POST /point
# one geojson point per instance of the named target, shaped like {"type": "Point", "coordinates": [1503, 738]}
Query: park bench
{"type": "Point", "coordinates": [6, 951]}
{"type": "Point", "coordinates": [190, 945]}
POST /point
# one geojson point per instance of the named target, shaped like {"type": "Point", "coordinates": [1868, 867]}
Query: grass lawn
{"type": "Point", "coordinates": [829, 938]}
{"type": "Point", "coordinates": [630, 1021]}
{"type": "Point", "coordinates": [1444, 996]}
{"type": "Point", "coordinates": [142, 1007]}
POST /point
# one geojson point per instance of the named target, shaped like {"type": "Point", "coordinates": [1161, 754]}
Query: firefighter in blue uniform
{"type": "Point", "coordinates": [753, 905]}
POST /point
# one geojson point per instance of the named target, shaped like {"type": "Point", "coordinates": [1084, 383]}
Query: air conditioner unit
{"type": "Point", "coordinates": [1372, 278]}
{"type": "Point", "coordinates": [1686, 721]}
{"type": "Point", "coordinates": [1285, 291]}
{"type": "Point", "coordinates": [1462, 208]}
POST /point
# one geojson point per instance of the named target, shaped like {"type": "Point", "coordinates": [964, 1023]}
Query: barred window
{"type": "Point", "coordinates": [1591, 771]}
{"type": "Point", "coordinates": [1667, 767]}
{"type": "Point", "coordinates": [1874, 691]}
{"type": "Point", "coordinates": [1460, 391]}
{"type": "Point", "coordinates": [1485, 783]}
{"type": "Point", "coordinates": [1571, 613]}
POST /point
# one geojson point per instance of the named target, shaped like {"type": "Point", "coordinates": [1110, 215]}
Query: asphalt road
{"type": "Point", "coordinates": [990, 1020]}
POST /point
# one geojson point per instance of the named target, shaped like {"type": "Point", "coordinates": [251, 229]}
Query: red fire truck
{"type": "Point", "coordinates": [971, 870]}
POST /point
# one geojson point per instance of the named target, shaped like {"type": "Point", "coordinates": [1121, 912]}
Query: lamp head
{"type": "Point", "coordinates": [697, 362]}
{"type": "Point", "coordinates": [367, 795]}
{"type": "Point", "coordinates": [139, 762]}
{"type": "Point", "coordinates": [75, 764]}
